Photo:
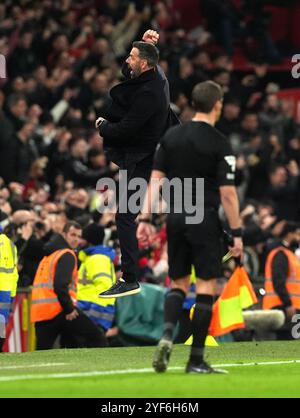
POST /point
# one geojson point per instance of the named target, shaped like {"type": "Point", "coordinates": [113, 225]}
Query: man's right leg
{"type": "Point", "coordinates": [85, 332]}
{"type": "Point", "coordinates": [126, 228]}
{"type": "Point", "coordinates": [172, 312]}
{"type": "Point", "coordinates": [47, 332]}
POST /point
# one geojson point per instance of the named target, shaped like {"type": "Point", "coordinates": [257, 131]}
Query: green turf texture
{"type": "Point", "coordinates": [253, 381]}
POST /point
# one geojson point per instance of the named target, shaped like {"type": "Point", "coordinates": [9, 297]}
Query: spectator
{"type": "Point", "coordinates": [29, 245]}
{"type": "Point", "coordinates": [283, 278]}
{"type": "Point", "coordinates": [16, 110]}
{"type": "Point", "coordinates": [284, 190]}
{"type": "Point", "coordinates": [23, 60]}
{"type": "Point", "coordinates": [96, 274]}
{"type": "Point", "coordinates": [77, 169]}
{"type": "Point", "coordinates": [230, 121]}
{"type": "Point", "coordinates": [8, 281]}
{"type": "Point", "coordinates": [25, 152]}
{"type": "Point", "coordinates": [56, 279]}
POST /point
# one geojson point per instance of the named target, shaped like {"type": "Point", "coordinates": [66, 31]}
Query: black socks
{"type": "Point", "coordinates": [173, 309]}
{"type": "Point", "coordinates": [200, 325]}
{"type": "Point", "coordinates": [129, 278]}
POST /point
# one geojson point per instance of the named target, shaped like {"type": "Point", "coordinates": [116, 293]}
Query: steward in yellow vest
{"type": "Point", "coordinates": [54, 296]}
{"type": "Point", "coordinates": [282, 274]}
{"type": "Point", "coordinates": [96, 274]}
{"type": "Point", "coordinates": [8, 281]}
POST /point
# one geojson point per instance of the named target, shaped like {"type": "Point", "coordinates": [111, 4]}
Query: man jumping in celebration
{"type": "Point", "coordinates": [133, 125]}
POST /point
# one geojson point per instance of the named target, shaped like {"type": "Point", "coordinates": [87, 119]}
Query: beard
{"type": "Point", "coordinates": [136, 72]}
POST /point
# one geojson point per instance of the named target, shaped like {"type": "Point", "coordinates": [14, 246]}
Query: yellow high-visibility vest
{"type": "Point", "coordinates": [96, 275]}
{"type": "Point", "coordinates": [8, 265]}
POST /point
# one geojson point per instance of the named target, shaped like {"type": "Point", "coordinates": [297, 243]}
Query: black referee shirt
{"type": "Point", "coordinates": [197, 150]}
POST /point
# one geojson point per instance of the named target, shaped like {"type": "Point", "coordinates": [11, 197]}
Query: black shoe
{"type": "Point", "coordinates": [162, 356]}
{"type": "Point", "coordinates": [203, 368]}
{"type": "Point", "coordinates": [120, 289]}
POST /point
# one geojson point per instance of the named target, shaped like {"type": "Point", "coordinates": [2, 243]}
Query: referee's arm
{"type": "Point", "coordinates": [230, 203]}
{"type": "Point", "coordinates": [226, 180]}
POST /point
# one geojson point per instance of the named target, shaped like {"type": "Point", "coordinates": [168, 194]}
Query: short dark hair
{"type": "Point", "coordinates": [275, 167]}
{"type": "Point", "coordinates": [288, 228]}
{"type": "Point", "coordinates": [148, 52]}
{"type": "Point", "coordinates": [74, 141]}
{"type": "Point", "coordinates": [14, 99]}
{"type": "Point", "coordinates": [71, 224]}
{"type": "Point", "coordinates": [205, 95]}
{"type": "Point", "coordinates": [94, 152]}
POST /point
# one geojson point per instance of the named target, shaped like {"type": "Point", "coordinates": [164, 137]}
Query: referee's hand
{"type": "Point", "coordinates": [237, 249]}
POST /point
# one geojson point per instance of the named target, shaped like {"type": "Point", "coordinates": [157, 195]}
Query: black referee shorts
{"type": "Point", "coordinates": [200, 245]}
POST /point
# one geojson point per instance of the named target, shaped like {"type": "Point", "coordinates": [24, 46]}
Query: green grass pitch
{"type": "Point", "coordinates": [126, 372]}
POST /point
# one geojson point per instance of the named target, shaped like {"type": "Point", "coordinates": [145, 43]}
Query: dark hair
{"type": "Point", "coordinates": [74, 141]}
{"type": "Point", "coordinates": [71, 224]}
{"type": "Point", "coordinates": [148, 52]}
{"type": "Point", "coordinates": [14, 99]}
{"type": "Point", "coordinates": [94, 152]}
{"type": "Point", "coordinates": [275, 167]}
{"type": "Point", "coordinates": [288, 228]}
{"type": "Point", "coordinates": [249, 113]}
{"type": "Point", "coordinates": [205, 95]}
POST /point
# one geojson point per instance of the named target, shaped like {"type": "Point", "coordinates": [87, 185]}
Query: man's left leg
{"type": "Point", "coordinates": [126, 228]}
{"type": "Point", "coordinates": [200, 326]}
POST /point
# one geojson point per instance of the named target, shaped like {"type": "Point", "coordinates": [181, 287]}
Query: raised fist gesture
{"type": "Point", "coordinates": [151, 36]}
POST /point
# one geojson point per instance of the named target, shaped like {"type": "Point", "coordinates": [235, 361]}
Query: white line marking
{"type": "Point", "coordinates": [269, 363]}
{"type": "Point", "coordinates": [29, 366]}
{"type": "Point", "coordinates": [128, 371]}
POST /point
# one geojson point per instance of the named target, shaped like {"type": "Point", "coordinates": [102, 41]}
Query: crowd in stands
{"type": "Point", "coordinates": [64, 56]}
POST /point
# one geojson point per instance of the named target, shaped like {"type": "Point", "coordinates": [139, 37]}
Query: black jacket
{"type": "Point", "coordinates": [30, 255]}
{"type": "Point", "coordinates": [83, 176]}
{"type": "Point", "coordinates": [63, 274]}
{"type": "Point", "coordinates": [139, 113]}
{"type": "Point", "coordinates": [26, 154]}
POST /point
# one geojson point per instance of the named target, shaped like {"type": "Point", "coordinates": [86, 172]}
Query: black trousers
{"type": "Point", "coordinates": [136, 166]}
{"type": "Point", "coordinates": [81, 331]}
{"type": "Point", "coordinates": [2, 340]}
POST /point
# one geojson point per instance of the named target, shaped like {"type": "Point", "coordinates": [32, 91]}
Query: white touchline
{"type": "Point", "coordinates": [128, 371]}
{"type": "Point", "coordinates": [30, 366]}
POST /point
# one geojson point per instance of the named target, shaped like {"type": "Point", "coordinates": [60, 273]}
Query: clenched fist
{"type": "Point", "coordinates": [151, 36]}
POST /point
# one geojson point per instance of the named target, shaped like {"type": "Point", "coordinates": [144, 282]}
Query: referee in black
{"type": "Point", "coordinates": [192, 151]}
